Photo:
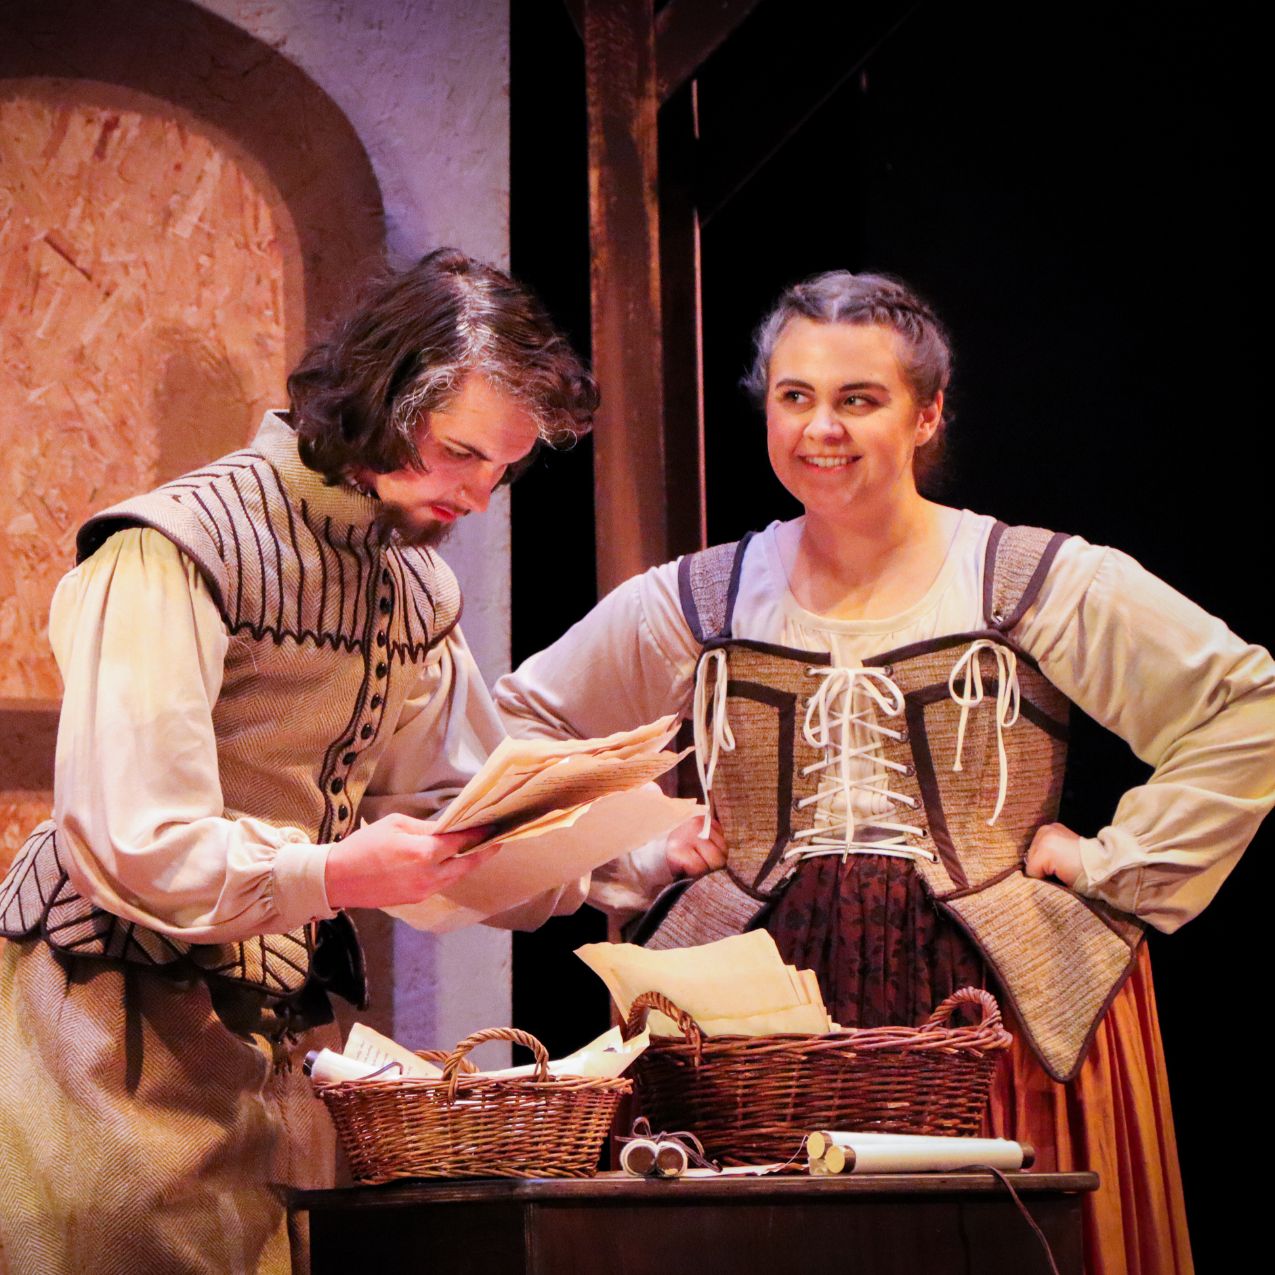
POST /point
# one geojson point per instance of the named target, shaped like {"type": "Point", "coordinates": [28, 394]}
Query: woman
{"type": "Point", "coordinates": [879, 690]}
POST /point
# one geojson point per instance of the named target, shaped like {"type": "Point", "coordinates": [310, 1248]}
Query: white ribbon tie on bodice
{"type": "Point", "coordinates": [841, 723]}
{"type": "Point", "coordinates": [972, 695]}
{"type": "Point", "coordinates": [707, 750]}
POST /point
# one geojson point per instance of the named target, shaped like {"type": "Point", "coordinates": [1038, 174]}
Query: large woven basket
{"type": "Point", "coordinates": [751, 1099]}
{"type": "Point", "coordinates": [465, 1126]}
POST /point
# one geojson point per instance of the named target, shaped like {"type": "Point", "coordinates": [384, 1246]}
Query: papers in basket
{"type": "Point", "coordinates": [738, 986]}
{"type": "Point", "coordinates": [560, 808]}
{"type": "Point", "coordinates": [368, 1054]}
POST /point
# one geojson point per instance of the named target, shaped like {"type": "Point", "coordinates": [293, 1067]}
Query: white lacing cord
{"type": "Point", "coordinates": [831, 725]}
{"type": "Point", "coordinates": [723, 740]}
{"type": "Point", "coordinates": [1007, 703]}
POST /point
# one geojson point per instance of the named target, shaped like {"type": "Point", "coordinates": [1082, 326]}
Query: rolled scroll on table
{"type": "Point", "coordinates": [829, 1152]}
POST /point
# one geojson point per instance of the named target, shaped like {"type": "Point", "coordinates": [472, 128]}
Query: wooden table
{"type": "Point", "coordinates": [918, 1224]}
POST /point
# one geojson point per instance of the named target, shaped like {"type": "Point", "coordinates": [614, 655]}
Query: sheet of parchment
{"type": "Point", "coordinates": [575, 781]}
{"type": "Point", "coordinates": [524, 868]}
{"type": "Point", "coordinates": [737, 986]}
{"type": "Point", "coordinates": [366, 1045]}
{"type": "Point", "coordinates": [602, 1059]}
{"type": "Point", "coordinates": [492, 794]}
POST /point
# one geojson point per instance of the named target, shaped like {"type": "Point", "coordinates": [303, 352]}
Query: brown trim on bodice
{"type": "Point", "coordinates": [989, 573]}
{"type": "Point", "coordinates": [785, 703]}
{"type": "Point", "coordinates": [1037, 581]}
{"type": "Point", "coordinates": [1033, 713]}
{"type": "Point", "coordinates": [1024, 1018]}
{"type": "Point", "coordinates": [925, 646]}
{"type": "Point", "coordinates": [931, 797]}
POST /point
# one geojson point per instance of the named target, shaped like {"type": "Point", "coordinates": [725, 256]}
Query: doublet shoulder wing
{"type": "Point", "coordinates": [431, 596]}
{"type": "Point", "coordinates": [278, 569]}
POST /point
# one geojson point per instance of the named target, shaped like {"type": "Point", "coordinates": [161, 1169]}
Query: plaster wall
{"type": "Point", "coordinates": [425, 85]}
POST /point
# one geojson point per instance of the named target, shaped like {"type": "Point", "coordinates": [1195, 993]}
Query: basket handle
{"type": "Point", "coordinates": [439, 1056]}
{"type": "Point", "coordinates": [657, 1000]}
{"type": "Point", "coordinates": [456, 1060]}
{"type": "Point", "coordinates": [991, 1020]}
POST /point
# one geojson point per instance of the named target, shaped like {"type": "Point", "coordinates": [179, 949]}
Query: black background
{"type": "Point", "coordinates": [1075, 189]}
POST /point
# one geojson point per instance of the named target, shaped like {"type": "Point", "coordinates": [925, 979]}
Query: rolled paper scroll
{"type": "Point", "coordinates": [654, 1158]}
{"type": "Point", "coordinates": [670, 1159]}
{"type": "Point", "coordinates": [830, 1152]}
{"type": "Point", "coordinates": [637, 1158]}
{"type": "Point", "coordinates": [326, 1067]}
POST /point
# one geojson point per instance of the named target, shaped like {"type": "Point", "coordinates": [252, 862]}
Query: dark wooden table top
{"type": "Point", "coordinates": [883, 1224]}
{"type": "Point", "coordinates": [619, 1187]}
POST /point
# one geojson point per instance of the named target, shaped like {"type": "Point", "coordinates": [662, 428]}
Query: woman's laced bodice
{"type": "Point", "coordinates": [847, 713]}
{"type": "Point", "coordinates": [850, 708]}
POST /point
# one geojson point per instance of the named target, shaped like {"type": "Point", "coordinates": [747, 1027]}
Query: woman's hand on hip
{"type": "Point", "coordinates": [691, 855]}
{"type": "Point", "coordinates": [399, 859]}
{"type": "Point", "coordinates": [1054, 852]}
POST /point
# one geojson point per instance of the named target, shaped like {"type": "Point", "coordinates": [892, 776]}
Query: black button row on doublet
{"type": "Point", "coordinates": [349, 757]}
{"type": "Point", "coordinates": [382, 668]}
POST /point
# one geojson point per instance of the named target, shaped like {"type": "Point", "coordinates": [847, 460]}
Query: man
{"type": "Point", "coordinates": [264, 687]}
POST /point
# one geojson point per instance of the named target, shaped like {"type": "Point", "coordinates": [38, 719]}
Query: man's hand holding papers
{"type": "Point", "coordinates": [559, 809]}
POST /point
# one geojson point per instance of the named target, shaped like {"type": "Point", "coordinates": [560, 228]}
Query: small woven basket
{"type": "Point", "coordinates": [465, 1126]}
{"type": "Point", "coordinates": [751, 1099]}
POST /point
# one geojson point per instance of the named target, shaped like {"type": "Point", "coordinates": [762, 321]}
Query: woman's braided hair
{"type": "Point", "coordinates": [837, 296]}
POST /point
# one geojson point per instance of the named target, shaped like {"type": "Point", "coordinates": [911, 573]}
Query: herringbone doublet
{"type": "Point", "coordinates": [330, 623]}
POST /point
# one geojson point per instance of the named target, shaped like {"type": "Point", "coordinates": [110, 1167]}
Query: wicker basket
{"type": "Point", "coordinates": [465, 1126]}
{"type": "Point", "coordinates": [751, 1099]}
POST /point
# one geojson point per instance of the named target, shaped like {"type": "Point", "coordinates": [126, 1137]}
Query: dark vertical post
{"type": "Point", "coordinates": [683, 345]}
{"type": "Point", "coordinates": [629, 460]}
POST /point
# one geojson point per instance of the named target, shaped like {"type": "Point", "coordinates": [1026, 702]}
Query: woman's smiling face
{"type": "Point", "coordinates": [842, 422]}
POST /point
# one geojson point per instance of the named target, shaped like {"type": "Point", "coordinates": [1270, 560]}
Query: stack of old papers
{"type": "Point", "coordinates": [368, 1055]}
{"type": "Point", "coordinates": [738, 986]}
{"type": "Point", "coordinates": [559, 808]}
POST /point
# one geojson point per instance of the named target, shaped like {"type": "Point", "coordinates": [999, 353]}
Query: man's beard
{"type": "Point", "coordinates": [394, 524]}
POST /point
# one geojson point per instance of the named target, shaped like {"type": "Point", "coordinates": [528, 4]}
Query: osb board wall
{"type": "Point", "coordinates": [26, 741]}
{"type": "Point", "coordinates": [141, 331]}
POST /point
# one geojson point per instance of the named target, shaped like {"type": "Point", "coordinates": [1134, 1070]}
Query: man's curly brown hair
{"type": "Point", "coordinates": [358, 395]}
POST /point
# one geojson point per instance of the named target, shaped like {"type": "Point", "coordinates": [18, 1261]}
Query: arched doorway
{"type": "Point", "coordinates": [181, 208]}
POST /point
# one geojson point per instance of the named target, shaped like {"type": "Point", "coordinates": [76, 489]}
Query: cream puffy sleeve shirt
{"type": "Point", "coordinates": [1189, 697]}
{"type": "Point", "coordinates": [138, 800]}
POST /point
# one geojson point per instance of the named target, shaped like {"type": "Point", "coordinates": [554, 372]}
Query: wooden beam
{"type": "Point", "coordinates": [686, 34]}
{"type": "Point", "coordinates": [628, 446]}
{"type": "Point", "coordinates": [680, 300]}
{"type": "Point", "coordinates": [743, 130]}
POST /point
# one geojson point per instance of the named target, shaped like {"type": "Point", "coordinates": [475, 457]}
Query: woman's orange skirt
{"type": "Point", "coordinates": [1114, 1119]}
{"type": "Point", "coordinates": [884, 954]}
